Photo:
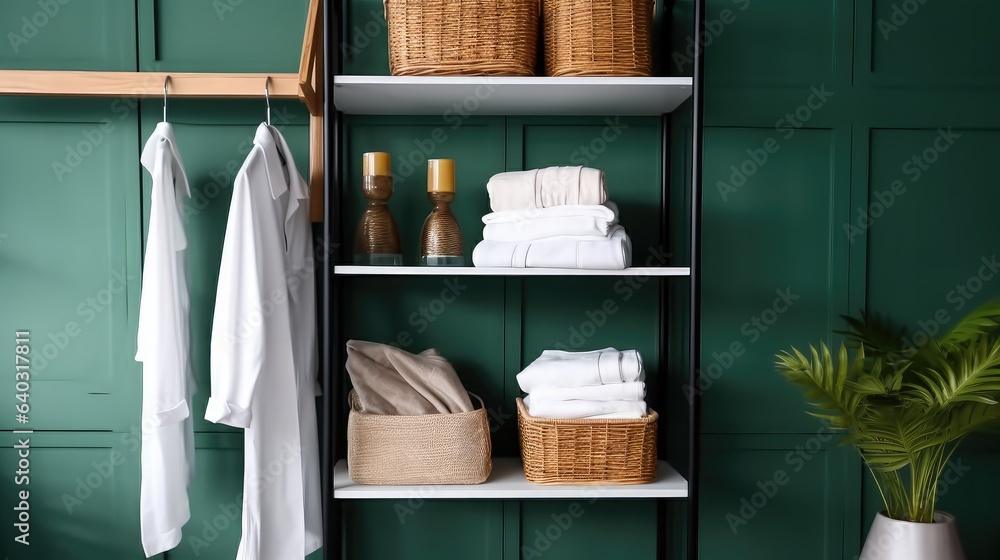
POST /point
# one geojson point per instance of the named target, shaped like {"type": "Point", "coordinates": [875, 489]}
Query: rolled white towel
{"type": "Point", "coordinates": [556, 368]}
{"type": "Point", "coordinates": [543, 188]}
{"type": "Point", "coordinates": [611, 253]}
{"type": "Point", "coordinates": [635, 391]}
{"type": "Point", "coordinates": [585, 409]}
{"type": "Point", "coordinates": [533, 224]}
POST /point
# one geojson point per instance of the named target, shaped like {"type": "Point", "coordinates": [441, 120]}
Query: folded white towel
{"type": "Point", "coordinates": [617, 415]}
{"type": "Point", "coordinates": [611, 253]}
{"type": "Point", "coordinates": [556, 368]}
{"type": "Point", "coordinates": [635, 391]}
{"type": "Point", "coordinates": [542, 188]}
{"type": "Point", "coordinates": [585, 409]}
{"type": "Point", "coordinates": [532, 224]}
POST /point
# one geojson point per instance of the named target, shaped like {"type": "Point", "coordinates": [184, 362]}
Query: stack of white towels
{"type": "Point", "coordinates": [557, 217]}
{"type": "Point", "coordinates": [600, 384]}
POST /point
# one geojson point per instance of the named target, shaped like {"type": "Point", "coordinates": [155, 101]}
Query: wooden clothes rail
{"type": "Point", "coordinates": [64, 83]}
{"type": "Point", "coordinates": [306, 86]}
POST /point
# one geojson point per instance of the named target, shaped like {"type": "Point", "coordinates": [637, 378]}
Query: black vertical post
{"type": "Point", "coordinates": [697, 122]}
{"type": "Point", "coordinates": [666, 290]}
{"type": "Point", "coordinates": [331, 164]}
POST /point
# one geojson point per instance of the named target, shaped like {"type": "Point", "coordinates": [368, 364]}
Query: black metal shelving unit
{"type": "Point", "coordinates": [331, 359]}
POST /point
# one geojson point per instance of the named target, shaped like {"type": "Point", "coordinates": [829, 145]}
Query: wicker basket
{"type": "Point", "coordinates": [418, 449]}
{"type": "Point", "coordinates": [598, 37]}
{"type": "Point", "coordinates": [462, 37]}
{"type": "Point", "coordinates": [588, 450]}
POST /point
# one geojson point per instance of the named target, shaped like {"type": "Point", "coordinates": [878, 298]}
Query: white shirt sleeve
{"type": "Point", "coordinates": [238, 330]}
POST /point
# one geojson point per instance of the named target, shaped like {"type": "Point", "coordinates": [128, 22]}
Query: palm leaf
{"type": "Point", "coordinates": [905, 409]}
{"type": "Point", "coordinates": [894, 437]}
{"type": "Point", "coordinates": [970, 374]}
{"type": "Point", "coordinates": [880, 381]}
{"type": "Point", "coordinates": [874, 333]}
{"type": "Point", "coordinates": [825, 384]}
{"type": "Point", "coordinates": [983, 320]}
{"type": "Point", "coordinates": [974, 417]}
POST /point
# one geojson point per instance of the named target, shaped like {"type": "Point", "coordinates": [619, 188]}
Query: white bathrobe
{"type": "Point", "coordinates": [264, 355]}
{"type": "Point", "coordinates": [163, 346]}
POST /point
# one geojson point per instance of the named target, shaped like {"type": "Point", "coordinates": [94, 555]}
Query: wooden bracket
{"type": "Point", "coordinates": [311, 63]}
{"type": "Point", "coordinates": [311, 91]}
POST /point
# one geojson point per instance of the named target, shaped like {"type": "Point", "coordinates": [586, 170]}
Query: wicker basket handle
{"type": "Point", "coordinates": [482, 404]}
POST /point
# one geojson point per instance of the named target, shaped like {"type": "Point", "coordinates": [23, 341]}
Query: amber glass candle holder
{"type": "Point", "coordinates": [377, 238]}
{"type": "Point", "coordinates": [441, 238]}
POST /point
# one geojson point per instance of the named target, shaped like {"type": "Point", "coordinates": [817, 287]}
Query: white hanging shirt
{"type": "Point", "coordinates": [163, 348]}
{"type": "Point", "coordinates": [264, 355]}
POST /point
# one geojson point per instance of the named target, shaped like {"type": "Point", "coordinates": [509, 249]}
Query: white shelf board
{"type": "Point", "coordinates": [459, 96]}
{"type": "Point", "coordinates": [507, 482]}
{"type": "Point", "coordinates": [366, 270]}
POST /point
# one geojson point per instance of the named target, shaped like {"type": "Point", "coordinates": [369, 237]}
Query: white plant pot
{"type": "Point", "coordinates": [891, 539]}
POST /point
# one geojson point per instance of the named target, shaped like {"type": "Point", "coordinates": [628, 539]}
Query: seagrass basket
{"type": "Point", "coordinates": [462, 37]}
{"type": "Point", "coordinates": [598, 37]}
{"type": "Point", "coordinates": [587, 450]}
{"type": "Point", "coordinates": [418, 449]}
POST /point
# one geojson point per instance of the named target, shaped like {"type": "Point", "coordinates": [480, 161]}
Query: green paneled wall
{"type": "Point", "coordinates": [848, 91]}
{"type": "Point", "coordinates": [770, 224]}
{"type": "Point", "coordinates": [789, 475]}
{"type": "Point", "coordinates": [418, 528]}
{"type": "Point", "coordinates": [567, 530]}
{"type": "Point", "coordinates": [73, 207]}
{"type": "Point", "coordinates": [848, 101]}
{"type": "Point", "coordinates": [956, 43]}
{"type": "Point", "coordinates": [71, 164]}
{"type": "Point", "coordinates": [82, 493]}
{"type": "Point", "coordinates": [221, 36]}
{"type": "Point", "coordinates": [67, 35]}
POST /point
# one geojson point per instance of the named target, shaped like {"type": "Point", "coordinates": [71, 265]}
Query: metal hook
{"type": "Point", "coordinates": [165, 80]}
{"type": "Point", "coordinates": [267, 99]}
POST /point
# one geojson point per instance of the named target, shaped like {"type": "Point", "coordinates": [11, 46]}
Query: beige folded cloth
{"type": "Point", "coordinates": [545, 188]}
{"type": "Point", "coordinates": [389, 380]}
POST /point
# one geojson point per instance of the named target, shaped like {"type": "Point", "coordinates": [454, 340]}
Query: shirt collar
{"type": "Point", "coordinates": [270, 144]}
{"type": "Point", "coordinates": [275, 174]}
{"type": "Point", "coordinates": [165, 131]}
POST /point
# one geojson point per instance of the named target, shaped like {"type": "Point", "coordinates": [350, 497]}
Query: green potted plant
{"type": "Point", "coordinates": [906, 402]}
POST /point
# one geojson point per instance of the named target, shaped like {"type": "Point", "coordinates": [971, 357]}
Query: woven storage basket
{"type": "Point", "coordinates": [598, 37]}
{"type": "Point", "coordinates": [418, 449]}
{"type": "Point", "coordinates": [462, 37]}
{"type": "Point", "coordinates": [588, 450]}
